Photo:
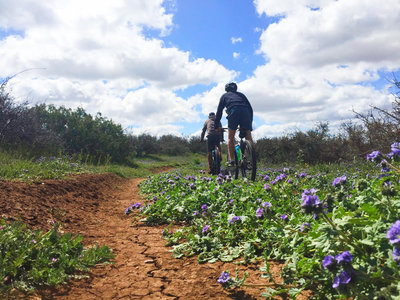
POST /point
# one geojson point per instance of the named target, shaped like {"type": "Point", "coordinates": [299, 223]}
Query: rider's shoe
{"type": "Point", "coordinates": [230, 163]}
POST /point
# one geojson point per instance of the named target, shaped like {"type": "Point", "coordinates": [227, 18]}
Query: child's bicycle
{"type": "Point", "coordinates": [245, 158]}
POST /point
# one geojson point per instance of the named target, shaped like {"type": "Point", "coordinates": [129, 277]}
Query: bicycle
{"type": "Point", "coordinates": [245, 158]}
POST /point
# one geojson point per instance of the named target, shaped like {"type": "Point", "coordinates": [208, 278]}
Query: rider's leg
{"type": "Point", "coordinates": [219, 152]}
{"type": "Point", "coordinates": [249, 137]}
{"type": "Point", "coordinates": [231, 144]}
{"type": "Point", "coordinates": [209, 161]}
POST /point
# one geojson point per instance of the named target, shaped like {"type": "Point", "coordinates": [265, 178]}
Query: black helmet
{"type": "Point", "coordinates": [211, 114]}
{"type": "Point", "coordinates": [231, 87]}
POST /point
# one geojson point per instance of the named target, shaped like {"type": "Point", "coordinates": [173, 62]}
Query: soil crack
{"type": "Point", "coordinates": [143, 268]}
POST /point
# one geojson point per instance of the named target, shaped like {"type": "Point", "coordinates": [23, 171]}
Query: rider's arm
{"type": "Point", "coordinates": [220, 109]}
{"type": "Point", "coordinates": [203, 132]}
{"type": "Point", "coordinates": [251, 111]}
{"type": "Point", "coordinates": [222, 132]}
{"type": "Point", "coordinates": [249, 105]}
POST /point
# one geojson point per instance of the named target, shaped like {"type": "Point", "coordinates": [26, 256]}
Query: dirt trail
{"type": "Point", "coordinates": [93, 205]}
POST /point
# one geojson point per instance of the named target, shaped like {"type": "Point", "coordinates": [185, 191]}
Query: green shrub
{"type": "Point", "coordinates": [29, 258]}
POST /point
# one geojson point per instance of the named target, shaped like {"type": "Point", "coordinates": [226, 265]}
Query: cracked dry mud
{"type": "Point", "coordinates": [144, 268]}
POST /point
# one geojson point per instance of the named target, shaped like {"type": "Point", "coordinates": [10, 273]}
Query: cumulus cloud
{"type": "Point", "coordinates": [339, 33]}
{"type": "Point", "coordinates": [236, 40]}
{"type": "Point", "coordinates": [157, 130]}
{"type": "Point", "coordinates": [97, 55]}
{"type": "Point", "coordinates": [321, 55]}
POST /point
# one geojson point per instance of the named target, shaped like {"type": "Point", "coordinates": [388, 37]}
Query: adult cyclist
{"type": "Point", "coordinates": [214, 137]}
{"type": "Point", "coordinates": [240, 113]}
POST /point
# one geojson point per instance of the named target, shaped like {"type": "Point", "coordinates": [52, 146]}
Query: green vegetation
{"type": "Point", "coordinates": [46, 130]}
{"type": "Point", "coordinates": [352, 210]}
{"type": "Point", "coordinates": [29, 259]}
{"type": "Point", "coordinates": [336, 227]}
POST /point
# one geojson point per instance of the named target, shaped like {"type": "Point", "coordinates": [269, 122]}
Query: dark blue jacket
{"type": "Point", "coordinates": [229, 100]}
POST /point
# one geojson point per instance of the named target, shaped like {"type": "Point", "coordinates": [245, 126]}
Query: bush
{"type": "Point", "coordinates": [21, 130]}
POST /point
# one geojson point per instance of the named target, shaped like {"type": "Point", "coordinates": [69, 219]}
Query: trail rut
{"type": "Point", "coordinates": [143, 268]}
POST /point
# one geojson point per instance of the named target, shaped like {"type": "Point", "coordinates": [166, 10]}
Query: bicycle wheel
{"type": "Point", "coordinates": [248, 165]}
{"type": "Point", "coordinates": [215, 162]}
{"type": "Point", "coordinates": [236, 165]}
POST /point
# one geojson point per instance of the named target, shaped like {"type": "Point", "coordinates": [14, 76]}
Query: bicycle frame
{"type": "Point", "coordinates": [245, 159]}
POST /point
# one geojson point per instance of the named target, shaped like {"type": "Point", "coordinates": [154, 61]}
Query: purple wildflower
{"type": "Point", "coordinates": [343, 278]}
{"type": "Point", "coordinates": [339, 180]}
{"type": "Point", "coordinates": [205, 228]}
{"type": "Point", "coordinates": [396, 255]}
{"type": "Point", "coordinates": [285, 218]}
{"type": "Point", "coordinates": [343, 258]}
{"type": "Point", "coordinates": [328, 262]}
{"type": "Point", "coordinates": [259, 212]}
{"type": "Point", "coordinates": [267, 187]}
{"type": "Point", "coordinates": [266, 178]}
{"type": "Point", "coordinates": [266, 204]}
{"type": "Point", "coordinates": [305, 226]}
{"type": "Point", "coordinates": [195, 213]}
{"type": "Point", "coordinates": [395, 147]}
{"type": "Point", "coordinates": [231, 201]}
{"type": "Point", "coordinates": [280, 177]}
{"type": "Point", "coordinates": [373, 156]}
{"type": "Point", "coordinates": [393, 233]}
{"type": "Point", "coordinates": [224, 278]}
{"type": "Point", "coordinates": [204, 207]}
{"type": "Point", "coordinates": [311, 202]}
{"type": "Point", "coordinates": [234, 219]}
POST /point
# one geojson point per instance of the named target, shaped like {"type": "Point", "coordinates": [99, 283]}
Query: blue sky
{"type": "Point", "coordinates": [216, 30]}
{"type": "Point", "coordinates": [159, 66]}
{"type": "Point", "coordinates": [206, 29]}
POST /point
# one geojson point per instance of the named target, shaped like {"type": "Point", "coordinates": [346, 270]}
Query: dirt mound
{"type": "Point", "coordinates": [93, 205]}
{"type": "Point", "coordinates": [64, 201]}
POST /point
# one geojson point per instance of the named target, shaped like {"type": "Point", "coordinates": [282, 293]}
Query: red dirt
{"type": "Point", "coordinates": [144, 268]}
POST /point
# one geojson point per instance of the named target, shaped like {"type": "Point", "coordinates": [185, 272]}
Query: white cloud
{"type": "Point", "coordinates": [338, 33]}
{"type": "Point", "coordinates": [321, 56]}
{"type": "Point", "coordinates": [236, 40]}
{"type": "Point", "coordinates": [157, 130]}
{"type": "Point", "coordinates": [96, 55]}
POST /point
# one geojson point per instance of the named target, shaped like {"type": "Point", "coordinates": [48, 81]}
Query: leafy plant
{"type": "Point", "coordinates": [29, 258]}
{"type": "Point", "coordinates": [345, 216]}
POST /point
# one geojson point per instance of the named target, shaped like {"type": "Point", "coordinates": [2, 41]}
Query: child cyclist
{"type": "Point", "coordinates": [214, 137]}
{"type": "Point", "coordinates": [240, 113]}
